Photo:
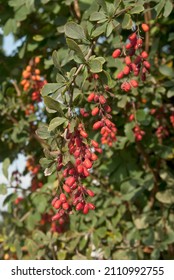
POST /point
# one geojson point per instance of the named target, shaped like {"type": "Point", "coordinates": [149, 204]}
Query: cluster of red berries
{"type": "Point", "coordinates": [107, 127]}
{"type": "Point", "coordinates": [32, 79]}
{"type": "Point", "coordinates": [172, 120]}
{"type": "Point", "coordinates": [31, 166]}
{"type": "Point", "coordinates": [36, 184]}
{"type": "Point", "coordinates": [73, 173]}
{"type": "Point", "coordinates": [138, 133]}
{"type": "Point", "coordinates": [134, 59]}
{"type": "Point", "coordinates": [162, 132]}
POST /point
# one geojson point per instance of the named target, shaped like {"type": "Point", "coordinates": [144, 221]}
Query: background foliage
{"type": "Point", "coordinates": [133, 181]}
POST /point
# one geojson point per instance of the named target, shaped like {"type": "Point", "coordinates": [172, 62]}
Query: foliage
{"type": "Point", "coordinates": [66, 53]}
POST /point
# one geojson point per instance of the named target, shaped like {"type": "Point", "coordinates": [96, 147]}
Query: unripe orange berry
{"type": "Point", "coordinates": [37, 59]}
{"type": "Point", "coordinates": [145, 27]}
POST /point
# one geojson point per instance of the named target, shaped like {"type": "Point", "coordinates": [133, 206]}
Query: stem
{"type": "Point", "coordinates": [14, 83]}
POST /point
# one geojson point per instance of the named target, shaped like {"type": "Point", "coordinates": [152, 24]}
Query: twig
{"type": "Point", "coordinates": [14, 83]}
{"type": "Point", "coordinates": [77, 9]}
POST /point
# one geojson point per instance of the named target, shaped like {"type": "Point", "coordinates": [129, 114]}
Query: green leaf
{"type": "Point", "coordinates": [166, 196]}
{"type": "Point", "coordinates": [56, 60]}
{"type": "Point", "coordinates": [5, 166]}
{"type": "Point", "coordinates": [102, 3]}
{"type": "Point", "coordinates": [74, 31]}
{"type": "Point", "coordinates": [109, 29]}
{"type": "Point", "coordinates": [99, 30]}
{"type": "Point", "coordinates": [43, 132]}
{"type": "Point", "coordinates": [122, 102]}
{"type": "Point", "coordinates": [168, 8]}
{"type": "Point", "coordinates": [129, 132]}
{"type": "Point", "coordinates": [97, 16]}
{"type": "Point", "coordinates": [141, 115]}
{"type": "Point", "coordinates": [166, 71]}
{"type": "Point", "coordinates": [52, 87]}
{"type": "Point", "coordinates": [53, 104]}
{"type": "Point", "coordinates": [170, 92]}
{"type": "Point", "coordinates": [95, 65]}
{"type": "Point", "coordinates": [75, 47]}
{"type": "Point", "coordinates": [10, 26]}
{"type": "Point", "coordinates": [159, 7]}
{"type": "Point", "coordinates": [38, 38]}
{"type": "Point", "coordinates": [137, 9]}
{"type": "Point", "coordinates": [56, 122]}
{"type": "Point", "coordinates": [3, 189]}
{"type": "Point", "coordinates": [127, 22]}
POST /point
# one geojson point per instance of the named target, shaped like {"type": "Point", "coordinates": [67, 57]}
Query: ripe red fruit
{"type": "Point", "coordinates": [87, 163]}
{"type": "Point", "coordinates": [56, 217]}
{"type": "Point", "coordinates": [54, 200]}
{"type": "Point", "coordinates": [144, 55]}
{"type": "Point", "coordinates": [95, 111]}
{"type": "Point", "coordinates": [57, 204]}
{"type": "Point", "coordinates": [65, 206]}
{"type": "Point", "coordinates": [90, 193]}
{"type": "Point", "coordinates": [120, 75]}
{"type": "Point", "coordinates": [62, 197]}
{"type": "Point", "coordinates": [91, 97]}
{"type": "Point", "coordinates": [146, 64]}
{"type": "Point", "coordinates": [61, 221]}
{"type": "Point", "coordinates": [145, 27]}
{"type": "Point", "coordinates": [127, 60]}
{"type": "Point", "coordinates": [83, 134]}
{"type": "Point", "coordinates": [134, 83]}
{"type": "Point", "coordinates": [126, 70]}
{"type": "Point", "coordinates": [86, 209]}
{"type": "Point", "coordinates": [94, 144]}
{"type": "Point", "coordinates": [131, 117]}
{"type": "Point", "coordinates": [125, 86]}
{"type": "Point", "coordinates": [70, 181]}
{"type": "Point", "coordinates": [79, 206]}
{"type": "Point", "coordinates": [66, 188]}
{"type": "Point", "coordinates": [94, 157]}
{"type": "Point", "coordinates": [91, 206]}
{"type": "Point", "coordinates": [116, 53]}
{"type": "Point", "coordinates": [133, 36]}
{"type": "Point", "coordinates": [97, 125]}
{"type": "Point", "coordinates": [102, 99]}
{"type": "Point", "coordinates": [128, 46]}
{"type": "Point", "coordinates": [107, 108]}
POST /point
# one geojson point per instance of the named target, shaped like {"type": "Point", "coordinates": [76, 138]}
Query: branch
{"type": "Point", "coordinates": [14, 83]}
{"type": "Point", "coordinates": [77, 9]}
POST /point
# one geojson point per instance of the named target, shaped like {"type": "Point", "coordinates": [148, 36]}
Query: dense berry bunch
{"type": "Point", "coordinates": [32, 79]}
{"type": "Point", "coordinates": [135, 61]}
{"type": "Point", "coordinates": [74, 194]}
{"type": "Point", "coordinates": [102, 109]}
{"type": "Point", "coordinates": [138, 133]}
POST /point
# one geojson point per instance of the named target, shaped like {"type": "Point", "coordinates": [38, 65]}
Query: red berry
{"type": "Point", "coordinates": [62, 197]}
{"type": "Point", "coordinates": [66, 188]}
{"type": "Point", "coordinates": [97, 125]}
{"type": "Point", "coordinates": [57, 204]}
{"type": "Point", "coordinates": [126, 70]}
{"type": "Point", "coordinates": [146, 64]}
{"type": "Point", "coordinates": [116, 53]}
{"type": "Point", "coordinates": [144, 55]}
{"type": "Point", "coordinates": [90, 193]}
{"type": "Point", "coordinates": [120, 75]}
{"type": "Point", "coordinates": [91, 206]}
{"type": "Point", "coordinates": [134, 83]}
{"type": "Point", "coordinates": [132, 37]}
{"type": "Point", "coordinates": [128, 46]}
{"type": "Point", "coordinates": [70, 181]}
{"type": "Point", "coordinates": [87, 163]}
{"type": "Point", "coordinates": [79, 206]}
{"type": "Point", "coordinates": [54, 200]}
{"type": "Point", "coordinates": [95, 111]}
{"type": "Point", "coordinates": [65, 206]}
{"type": "Point", "coordinates": [94, 144]}
{"type": "Point", "coordinates": [86, 209]}
{"type": "Point", "coordinates": [127, 60]}
{"type": "Point", "coordinates": [102, 99]}
{"type": "Point", "coordinates": [91, 97]}
{"type": "Point", "coordinates": [56, 217]}
{"type": "Point", "coordinates": [83, 134]}
{"type": "Point", "coordinates": [94, 157]}
{"type": "Point", "coordinates": [145, 27]}
{"type": "Point", "coordinates": [125, 86]}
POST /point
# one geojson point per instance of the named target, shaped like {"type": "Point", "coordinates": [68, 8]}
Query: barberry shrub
{"type": "Point", "coordinates": [88, 100]}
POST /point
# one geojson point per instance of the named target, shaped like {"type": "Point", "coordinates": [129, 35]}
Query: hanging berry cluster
{"type": "Point", "coordinates": [32, 79]}
{"type": "Point", "coordinates": [74, 194]}
{"type": "Point", "coordinates": [106, 126]}
{"type": "Point", "coordinates": [135, 61]}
